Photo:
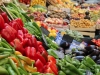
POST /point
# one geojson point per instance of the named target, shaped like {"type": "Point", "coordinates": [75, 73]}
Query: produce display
{"type": "Point", "coordinates": [95, 15]}
{"type": "Point", "coordinates": [72, 66]}
{"type": "Point", "coordinates": [15, 12]}
{"type": "Point", "coordinates": [75, 34]}
{"type": "Point", "coordinates": [38, 33]}
{"type": "Point", "coordinates": [37, 8]}
{"type": "Point", "coordinates": [36, 40]}
{"type": "Point", "coordinates": [77, 16]}
{"type": "Point", "coordinates": [39, 2]}
{"type": "Point", "coordinates": [27, 44]}
{"type": "Point", "coordinates": [57, 12]}
{"type": "Point", "coordinates": [38, 16]}
{"type": "Point", "coordinates": [98, 24]}
{"type": "Point", "coordinates": [55, 21]}
{"type": "Point", "coordinates": [82, 23]}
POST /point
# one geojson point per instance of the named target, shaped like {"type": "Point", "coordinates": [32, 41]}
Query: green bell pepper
{"type": "Point", "coordinates": [61, 73]}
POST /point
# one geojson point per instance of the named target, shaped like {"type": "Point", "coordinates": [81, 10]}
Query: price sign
{"type": "Point", "coordinates": [67, 38]}
{"type": "Point", "coordinates": [45, 31]}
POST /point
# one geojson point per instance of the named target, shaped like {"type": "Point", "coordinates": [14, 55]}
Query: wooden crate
{"type": "Point", "coordinates": [85, 31]}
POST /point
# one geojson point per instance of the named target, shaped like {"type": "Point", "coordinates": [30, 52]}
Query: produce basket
{"type": "Point", "coordinates": [85, 31]}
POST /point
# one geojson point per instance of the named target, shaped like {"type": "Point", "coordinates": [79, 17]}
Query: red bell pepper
{"type": "Point", "coordinates": [45, 55]}
{"type": "Point", "coordinates": [41, 49]}
{"type": "Point", "coordinates": [20, 35]}
{"type": "Point", "coordinates": [18, 46]}
{"type": "Point", "coordinates": [20, 23]}
{"type": "Point", "coordinates": [24, 30]}
{"type": "Point", "coordinates": [30, 43]}
{"type": "Point", "coordinates": [5, 17]}
{"type": "Point", "coordinates": [39, 56]}
{"type": "Point", "coordinates": [14, 25]}
{"type": "Point", "coordinates": [2, 26]}
{"type": "Point", "coordinates": [25, 42]}
{"type": "Point", "coordinates": [32, 53]}
{"type": "Point", "coordinates": [39, 43]}
{"type": "Point", "coordinates": [49, 70]}
{"type": "Point", "coordinates": [9, 33]}
{"type": "Point", "coordinates": [51, 59]}
{"type": "Point", "coordinates": [34, 42]}
{"type": "Point", "coordinates": [27, 35]}
{"type": "Point", "coordinates": [27, 51]}
{"type": "Point", "coordinates": [39, 65]}
{"type": "Point", "coordinates": [53, 67]}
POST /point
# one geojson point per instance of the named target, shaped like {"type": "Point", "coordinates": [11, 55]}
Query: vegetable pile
{"type": "Point", "coordinates": [27, 44]}
{"type": "Point", "coordinates": [72, 66]}
{"type": "Point", "coordinates": [23, 45]}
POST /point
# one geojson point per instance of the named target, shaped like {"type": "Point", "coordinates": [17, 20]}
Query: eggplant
{"type": "Point", "coordinates": [95, 52]}
{"type": "Point", "coordinates": [80, 58]}
{"type": "Point", "coordinates": [79, 53]}
{"type": "Point", "coordinates": [93, 46]}
{"type": "Point", "coordinates": [90, 52]}
{"type": "Point", "coordinates": [98, 61]}
{"type": "Point", "coordinates": [88, 48]}
{"type": "Point", "coordinates": [94, 57]}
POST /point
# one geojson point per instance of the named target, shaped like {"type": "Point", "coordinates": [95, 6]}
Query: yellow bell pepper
{"type": "Point", "coordinates": [30, 69]}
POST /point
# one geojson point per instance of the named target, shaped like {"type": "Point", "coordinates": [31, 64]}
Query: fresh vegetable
{"type": "Point", "coordinates": [5, 17]}
{"type": "Point", "coordinates": [1, 23]}
{"type": "Point", "coordinates": [3, 71]}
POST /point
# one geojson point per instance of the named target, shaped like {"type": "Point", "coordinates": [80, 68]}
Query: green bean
{"type": "Point", "coordinates": [11, 71]}
{"type": "Point", "coordinates": [14, 66]}
{"type": "Point", "coordinates": [3, 71]}
{"type": "Point", "coordinates": [3, 61]}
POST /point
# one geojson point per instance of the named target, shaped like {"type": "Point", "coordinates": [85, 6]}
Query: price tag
{"type": "Point", "coordinates": [45, 31]}
{"type": "Point", "coordinates": [44, 40]}
{"type": "Point", "coordinates": [67, 38]}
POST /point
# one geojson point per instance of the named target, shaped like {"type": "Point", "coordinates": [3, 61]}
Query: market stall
{"type": "Point", "coordinates": [62, 38]}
